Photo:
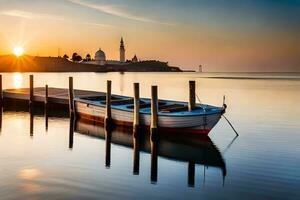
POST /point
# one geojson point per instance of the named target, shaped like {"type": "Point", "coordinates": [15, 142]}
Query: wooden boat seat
{"type": "Point", "coordinates": [146, 105]}
{"type": "Point", "coordinates": [118, 101]}
{"type": "Point", "coordinates": [94, 98]}
{"type": "Point", "coordinates": [173, 108]}
{"type": "Point", "coordinates": [169, 106]}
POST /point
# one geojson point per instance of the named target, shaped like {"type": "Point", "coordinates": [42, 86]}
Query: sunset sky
{"type": "Point", "coordinates": [249, 35]}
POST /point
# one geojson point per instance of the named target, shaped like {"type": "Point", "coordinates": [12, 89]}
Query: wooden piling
{"type": "Point", "coordinates": [154, 111]}
{"type": "Point", "coordinates": [46, 95]}
{"type": "Point", "coordinates": [107, 122]}
{"type": "Point", "coordinates": [192, 95]}
{"type": "Point", "coordinates": [153, 137]}
{"type": "Point", "coordinates": [136, 124]}
{"type": "Point", "coordinates": [71, 95]}
{"type": "Point", "coordinates": [136, 115]}
{"type": "Point", "coordinates": [31, 92]}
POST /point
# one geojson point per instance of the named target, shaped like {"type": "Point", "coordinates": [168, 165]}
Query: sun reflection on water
{"type": "Point", "coordinates": [17, 80]}
{"type": "Point", "coordinates": [30, 174]}
{"type": "Point", "coordinates": [29, 177]}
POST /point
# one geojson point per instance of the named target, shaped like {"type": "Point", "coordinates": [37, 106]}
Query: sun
{"type": "Point", "coordinates": [18, 51]}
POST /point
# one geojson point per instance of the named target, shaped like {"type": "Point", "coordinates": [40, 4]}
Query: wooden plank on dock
{"type": "Point", "coordinates": [55, 95]}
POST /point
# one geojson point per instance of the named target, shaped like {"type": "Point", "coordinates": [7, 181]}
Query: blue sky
{"type": "Point", "coordinates": [221, 35]}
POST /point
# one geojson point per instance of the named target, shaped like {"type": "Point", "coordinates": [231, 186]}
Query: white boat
{"type": "Point", "coordinates": [173, 116]}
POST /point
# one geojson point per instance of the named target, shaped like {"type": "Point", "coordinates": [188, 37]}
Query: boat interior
{"type": "Point", "coordinates": [127, 103]}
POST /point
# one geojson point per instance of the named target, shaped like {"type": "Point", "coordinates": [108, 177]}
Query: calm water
{"type": "Point", "coordinates": [262, 163]}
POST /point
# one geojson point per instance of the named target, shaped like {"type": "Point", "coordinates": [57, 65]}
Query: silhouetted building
{"type": "Point", "coordinates": [122, 51]}
{"type": "Point", "coordinates": [134, 59]}
{"type": "Point", "coordinates": [100, 57]}
{"type": "Point", "coordinates": [200, 68]}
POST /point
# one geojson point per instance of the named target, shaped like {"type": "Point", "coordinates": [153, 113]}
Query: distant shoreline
{"type": "Point", "coordinates": [255, 78]}
{"type": "Point", "coordinates": [11, 63]}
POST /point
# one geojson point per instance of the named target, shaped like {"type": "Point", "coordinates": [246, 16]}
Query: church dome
{"type": "Point", "coordinates": [100, 55]}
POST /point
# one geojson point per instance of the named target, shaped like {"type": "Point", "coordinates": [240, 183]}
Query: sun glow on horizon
{"type": "Point", "coordinates": [18, 51]}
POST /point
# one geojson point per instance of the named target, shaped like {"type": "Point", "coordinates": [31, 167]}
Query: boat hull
{"type": "Point", "coordinates": [199, 124]}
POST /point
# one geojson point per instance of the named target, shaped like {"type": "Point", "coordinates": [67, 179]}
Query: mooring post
{"type": "Point", "coordinates": [46, 96]}
{"type": "Point", "coordinates": [136, 117]}
{"type": "Point", "coordinates": [191, 174]}
{"type": "Point", "coordinates": [192, 95]}
{"type": "Point", "coordinates": [71, 95]}
{"type": "Point", "coordinates": [107, 121]}
{"type": "Point", "coordinates": [154, 111]}
{"type": "Point", "coordinates": [154, 132]}
{"type": "Point", "coordinates": [31, 92]}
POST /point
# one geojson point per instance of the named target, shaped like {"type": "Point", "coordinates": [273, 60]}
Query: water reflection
{"type": "Point", "coordinates": [191, 149]}
{"type": "Point", "coordinates": [31, 123]}
{"type": "Point", "coordinates": [46, 116]}
{"type": "Point", "coordinates": [153, 144]}
{"type": "Point", "coordinates": [1, 112]}
{"type": "Point", "coordinates": [17, 80]}
{"type": "Point", "coordinates": [136, 153]}
{"type": "Point", "coordinates": [39, 109]}
{"type": "Point", "coordinates": [71, 131]}
{"type": "Point", "coordinates": [191, 174]}
{"type": "Point", "coordinates": [107, 133]}
{"type": "Point", "coordinates": [269, 133]}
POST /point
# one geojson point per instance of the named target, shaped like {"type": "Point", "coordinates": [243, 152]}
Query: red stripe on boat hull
{"type": "Point", "coordinates": [128, 125]}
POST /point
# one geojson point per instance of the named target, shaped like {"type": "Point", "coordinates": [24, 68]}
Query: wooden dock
{"type": "Point", "coordinates": [55, 95]}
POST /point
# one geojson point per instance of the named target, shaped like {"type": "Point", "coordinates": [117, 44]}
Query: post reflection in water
{"type": "Point", "coordinates": [46, 116]}
{"type": "Point", "coordinates": [17, 79]}
{"type": "Point", "coordinates": [1, 112]}
{"type": "Point", "coordinates": [191, 174]}
{"type": "Point", "coordinates": [153, 144]}
{"type": "Point", "coordinates": [31, 122]}
{"type": "Point", "coordinates": [191, 149]}
{"type": "Point", "coordinates": [136, 152]}
{"type": "Point", "coordinates": [108, 134]}
{"type": "Point", "coordinates": [71, 130]}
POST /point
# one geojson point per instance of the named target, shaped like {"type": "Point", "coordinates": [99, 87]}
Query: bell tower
{"type": "Point", "coordinates": [122, 51]}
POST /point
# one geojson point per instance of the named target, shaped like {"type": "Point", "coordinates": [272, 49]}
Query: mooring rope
{"type": "Point", "coordinates": [222, 114]}
{"type": "Point", "coordinates": [230, 125]}
{"type": "Point", "coordinates": [198, 99]}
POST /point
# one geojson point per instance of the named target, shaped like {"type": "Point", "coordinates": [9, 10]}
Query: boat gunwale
{"type": "Point", "coordinates": [217, 110]}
